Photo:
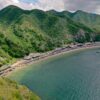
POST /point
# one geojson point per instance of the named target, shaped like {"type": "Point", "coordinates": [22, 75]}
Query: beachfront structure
{"type": "Point", "coordinates": [32, 56]}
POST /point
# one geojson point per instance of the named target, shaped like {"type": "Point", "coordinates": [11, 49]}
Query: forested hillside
{"type": "Point", "coordinates": [23, 31]}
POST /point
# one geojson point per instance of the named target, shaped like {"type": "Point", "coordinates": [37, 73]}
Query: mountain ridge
{"type": "Point", "coordinates": [14, 6]}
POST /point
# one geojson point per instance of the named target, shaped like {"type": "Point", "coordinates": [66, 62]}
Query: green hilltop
{"type": "Point", "coordinates": [23, 31]}
{"type": "Point", "coordinates": [10, 90]}
{"type": "Point", "coordinates": [88, 19]}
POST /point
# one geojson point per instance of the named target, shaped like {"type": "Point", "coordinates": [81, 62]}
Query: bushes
{"type": "Point", "coordinates": [10, 90]}
{"type": "Point", "coordinates": [14, 49]}
{"type": "Point", "coordinates": [2, 39]}
{"type": "Point", "coordinates": [97, 38]}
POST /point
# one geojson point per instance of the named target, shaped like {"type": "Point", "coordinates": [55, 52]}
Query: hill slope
{"type": "Point", "coordinates": [10, 90]}
{"type": "Point", "coordinates": [88, 19]}
{"type": "Point", "coordinates": [22, 32]}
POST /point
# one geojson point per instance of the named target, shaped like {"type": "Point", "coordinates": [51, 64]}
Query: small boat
{"type": "Point", "coordinates": [98, 52]}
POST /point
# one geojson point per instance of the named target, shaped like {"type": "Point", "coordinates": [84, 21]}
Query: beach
{"type": "Point", "coordinates": [36, 58]}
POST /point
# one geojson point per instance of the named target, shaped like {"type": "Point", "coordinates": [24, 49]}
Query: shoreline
{"type": "Point", "coordinates": [54, 53]}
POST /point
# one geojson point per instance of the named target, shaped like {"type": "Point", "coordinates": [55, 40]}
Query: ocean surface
{"type": "Point", "coordinates": [73, 76]}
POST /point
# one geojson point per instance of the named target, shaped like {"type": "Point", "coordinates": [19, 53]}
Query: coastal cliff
{"type": "Point", "coordinates": [10, 90]}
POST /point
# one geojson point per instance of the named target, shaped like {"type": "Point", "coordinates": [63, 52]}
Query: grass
{"type": "Point", "coordinates": [10, 90]}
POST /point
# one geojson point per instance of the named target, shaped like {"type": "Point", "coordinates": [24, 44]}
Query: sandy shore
{"type": "Point", "coordinates": [20, 65]}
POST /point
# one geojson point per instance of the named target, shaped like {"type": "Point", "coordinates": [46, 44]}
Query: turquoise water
{"type": "Point", "coordinates": [74, 76]}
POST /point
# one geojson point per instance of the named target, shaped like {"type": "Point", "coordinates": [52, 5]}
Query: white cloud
{"type": "Point", "coordinates": [4, 3]}
{"type": "Point", "coordinates": [97, 10]}
{"type": "Point", "coordinates": [86, 5]}
{"type": "Point", "coordinates": [15, 1]}
{"type": "Point", "coordinates": [51, 4]}
{"type": "Point", "coordinates": [59, 5]}
{"type": "Point", "coordinates": [44, 5]}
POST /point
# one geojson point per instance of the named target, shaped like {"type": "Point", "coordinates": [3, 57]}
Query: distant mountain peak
{"type": "Point", "coordinates": [80, 11]}
{"type": "Point", "coordinates": [12, 7]}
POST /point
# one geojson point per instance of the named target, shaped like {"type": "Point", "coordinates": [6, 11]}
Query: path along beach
{"type": "Point", "coordinates": [37, 57]}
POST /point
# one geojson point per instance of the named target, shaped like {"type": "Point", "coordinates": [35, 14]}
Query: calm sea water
{"type": "Point", "coordinates": [74, 76]}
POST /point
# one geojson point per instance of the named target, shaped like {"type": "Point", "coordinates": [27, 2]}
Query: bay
{"type": "Point", "coordinates": [73, 76]}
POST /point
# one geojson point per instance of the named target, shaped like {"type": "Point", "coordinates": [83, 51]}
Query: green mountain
{"type": "Point", "coordinates": [10, 90]}
{"type": "Point", "coordinates": [88, 19]}
{"type": "Point", "coordinates": [23, 31]}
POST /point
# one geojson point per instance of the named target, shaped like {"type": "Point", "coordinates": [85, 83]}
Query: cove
{"type": "Point", "coordinates": [73, 76]}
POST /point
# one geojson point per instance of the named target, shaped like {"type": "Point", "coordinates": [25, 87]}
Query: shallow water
{"type": "Point", "coordinates": [74, 76]}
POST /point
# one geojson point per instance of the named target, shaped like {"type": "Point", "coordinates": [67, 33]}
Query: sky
{"type": "Point", "coordinates": [92, 6]}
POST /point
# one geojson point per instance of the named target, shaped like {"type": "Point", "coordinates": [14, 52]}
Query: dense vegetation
{"type": "Point", "coordinates": [22, 31]}
{"type": "Point", "coordinates": [10, 90]}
